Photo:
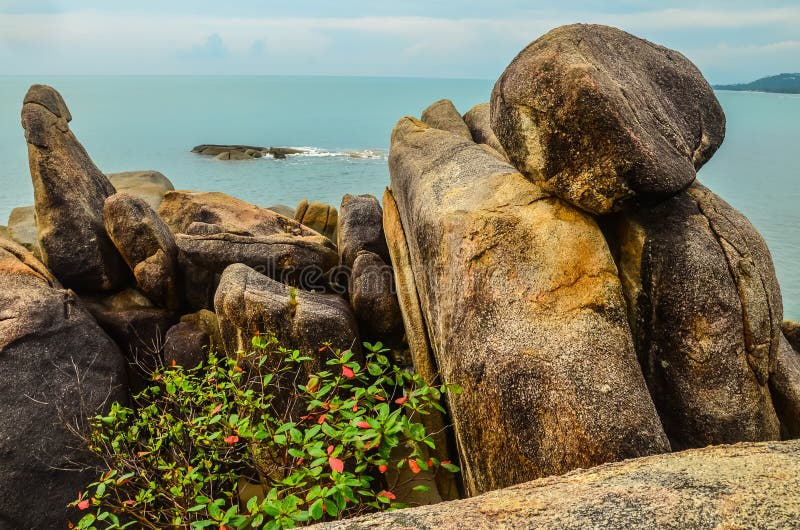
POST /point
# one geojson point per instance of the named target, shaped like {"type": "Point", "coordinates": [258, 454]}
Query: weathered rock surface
{"type": "Point", "coordinates": [373, 298]}
{"type": "Point", "coordinates": [479, 122]}
{"type": "Point", "coordinates": [69, 192]}
{"type": "Point", "coordinates": [360, 228]}
{"type": "Point", "coordinates": [147, 246]}
{"type": "Point", "coordinates": [739, 486]}
{"type": "Point", "coordinates": [791, 330]}
{"type": "Point", "coordinates": [705, 311]}
{"type": "Point", "coordinates": [22, 228]}
{"type": "Point", "coordinates": [524, 310]}
{"type": "Point", "coordinates": [443, 115]}
{"type": "Point", "coordinates": [136, 326]}
{"type": "Point", "coordinates": [247, 302]}
{"type": "Point", "coordinates": [60, 368]}
{"type": "Point", "coordinates": [784, 385]}
{"type": "Point", "coordinates": [244, 152]}
{"type": "Point", "coordinates": [604, 119]}
{"type": "Point", "coordinates": [286, 211]}
{"type": "Point", "coordinates": [436, 423]}
{"type": "Point", "coordinates": [319, 217]}
{"type": "Point", "coordinates": [147, 185]}
{"type": "Point", "coordinates": [188, 341]}
{"type": "Point", "coordinates": [215, 230]}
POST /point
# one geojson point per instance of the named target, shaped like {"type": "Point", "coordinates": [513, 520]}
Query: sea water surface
{"type": "Point", "coordinates": [130, 123]}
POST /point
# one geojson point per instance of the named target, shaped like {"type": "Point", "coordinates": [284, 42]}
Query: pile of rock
{"type": "Point", "coordinates": [244, 152]}
{"type": "Point", "coordinates": [151, 275]}
{"type": "Point", "coordinates": [557, 258]}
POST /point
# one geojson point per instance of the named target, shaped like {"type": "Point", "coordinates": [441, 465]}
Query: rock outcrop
{"type": "Point", "coordinates": [187, 342]}
{"type": "Point", "coordinates": [244, 152]}
{"type": "Point", "coordinates": [61, 369]}
{"type": "Point", "coordinates": [69, 192]}
{"type": "Point", "coordinates": [147, 246]}
{"type": "Point", "coordinates": [604, 119]}
{"type": "Point", "coordinates": [524, 310]}
{"type": "Point", "coordinates": [443, 115]}
{"type": "Point", "coordinates": [247, 302]}
{"type": "Point", "coordinates": [479, 122]}
{"type": "Point", "coordinates": [149, 186]}
{"type": "Point", "coordinates": [738, 486]}
{"type": "Point", "coordinates": [319, 217]}
{"type": "Point", "coordinates": [705, 311]}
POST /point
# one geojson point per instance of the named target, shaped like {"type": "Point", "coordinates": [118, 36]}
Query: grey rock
{"type": "Point", "coordinates": [360, 228]}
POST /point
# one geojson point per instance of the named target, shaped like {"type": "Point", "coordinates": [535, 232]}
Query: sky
{"type": "Point", "coordinates": [729, 40]}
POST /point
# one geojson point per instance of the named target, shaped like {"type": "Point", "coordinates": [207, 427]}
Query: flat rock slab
{"type": "Point", "coordinates": [736, 486]}
{"type": "Point", "coordinates": [604, 119]}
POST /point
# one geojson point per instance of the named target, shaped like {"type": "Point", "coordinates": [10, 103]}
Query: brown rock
{"type": "Point", "coordinates": [22, 228]}
{"type": "Point", "coordinates": [604, 119]}
{"type": "Point", "coordinates": [443, 115]}
{"type": "Point", "coordinates": [480, 127]}
{"type": "Point", "coordinates": [373, 298]}
{"type": "Point", "coordinates": [705, 311]}
{"type": "Point", "coordinates": [791, 330]}
{"type": "Point", "coordinates": [784, 386]}
{"type": "Point", "coordinates": [524, 310]}
{"type": "Point", "coordinates": [739, 486]}
{"type": "Point", "coordinates": [436, 423]}
{"type": "Point", "coordinates": [360, 228]}
{"type": "Point", "coordinates": [187, 343]}
{"type": "Point", "coordinates": [60, 369]}
{"type": "Point", "coordinates": [319, 217]}
{"type": "Point", "coordinates": [286, 211]}
{"type": "Point", "coordinates": [69, 192]}
{"type": "Point", "coordinates": [147, 246]}
{"type": "Point", "coordinates": [147, 185]}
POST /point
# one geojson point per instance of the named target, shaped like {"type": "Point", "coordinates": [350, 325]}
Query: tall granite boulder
{"type": "Point", "coordinates": [60, 369]}
{"type": "Point", "coordinates": [443, 115]}
{"type": "Point", "coordinates": [605, 120]}
{"type": "Point", "coordinates": [68, 191]}
{"type": "Point", "coordinates": [479, 122]}
{"type": "Point", "coordinates": [738, 486]}
{"type": "Point", "coordinates": [247, 302]}
{"type": "Point", "coordinates": [524, 310]}
{"type": "Point", "coordinates": [319, 217]}
{"type": "Point", "coordinates": [360, 228]}
{"type": "Point", "coordinates": [147, 246]}
{"type": "Point", "coordinates": [147, 185]}
{"type": "Point", "coordinates": [705, 311]}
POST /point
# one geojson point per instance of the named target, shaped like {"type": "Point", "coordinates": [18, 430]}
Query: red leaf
{"type": "Point", "coordinates": [363, 425]}
{"type": "Point", "coordinates": [430, 462]}
{"type": "Point", "coordinates": [355, 406]}
{"type": "Point", "coordinates": [382, 468]}
{"type": "Point", "coordinates": [336, 464]}
{"type": "Point", "coordinates": [216, 409]}
{"type": "Point", "coordinates": [388, 494]}
{"type": "Point", "coordinates": [347, 372]}
{"type": "Point", "coordinates": [321, 419]}
{"type": "Point", "coordinates": [413, 466]}
{"type": "Point", "coordinates": [330, 449]}
{"type": "Point", "coordinates": [401, 400]}
{"type": "Point", "coordinates": [232, 439]}
{"type": "Point", "coordinates": [83, 505]}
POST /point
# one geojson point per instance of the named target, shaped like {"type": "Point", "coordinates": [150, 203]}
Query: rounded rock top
{"type": "Point", "coordinates": [604, 119]}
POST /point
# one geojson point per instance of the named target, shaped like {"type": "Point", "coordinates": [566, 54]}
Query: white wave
{"type": "Point", "coordinates": [366, 154]}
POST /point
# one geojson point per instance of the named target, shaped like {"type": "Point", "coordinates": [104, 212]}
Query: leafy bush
{"type": "Point", "coordinates": [260, 441]}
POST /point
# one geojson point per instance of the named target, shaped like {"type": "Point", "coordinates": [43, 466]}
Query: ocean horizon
{"type": "Point", "coordinates": [152, 122]}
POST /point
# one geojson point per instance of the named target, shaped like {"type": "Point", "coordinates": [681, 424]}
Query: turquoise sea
{"type": "Point", "coordinates": [129, 123]}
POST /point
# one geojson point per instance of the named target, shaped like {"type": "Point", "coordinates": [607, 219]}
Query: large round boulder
{"type": "Point", "coordinates": [318, 216]}
{"type": "Point", "coordinates": [361, 228]}
{"type": "Point", "coordinates": [444, 115]}
{"type": "Point", "coordinates": [373, 298]}
{"type": "Point", "coordinates": [604, 119]}
{"type": "Point", "coordinates": [147, 185]}
{"type": "Point", "coordinates": [69, 192]}
{"type": "Point", "coordinates": [60, 369]}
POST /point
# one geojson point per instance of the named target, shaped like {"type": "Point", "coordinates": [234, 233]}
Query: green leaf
{"type": "Point", "coordinates": [316, 509]}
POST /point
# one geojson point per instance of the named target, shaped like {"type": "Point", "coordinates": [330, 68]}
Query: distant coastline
{"type": "Point", "coordinates": [779, 84]}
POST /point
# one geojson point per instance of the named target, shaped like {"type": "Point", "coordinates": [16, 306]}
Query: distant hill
{"type": "Point", "coordinates": [783, 83]}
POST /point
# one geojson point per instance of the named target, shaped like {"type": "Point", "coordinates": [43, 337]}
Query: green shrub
{"type": "Point", "coordinates": [260, 441]}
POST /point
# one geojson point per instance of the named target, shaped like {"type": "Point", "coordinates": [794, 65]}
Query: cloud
{"type": "Point", "coordinates": [212, 49]}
